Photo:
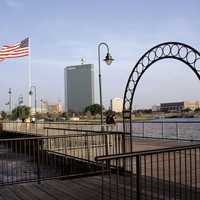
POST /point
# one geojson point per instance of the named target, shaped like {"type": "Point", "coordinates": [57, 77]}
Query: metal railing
{"type": "Point", "coordinates": [178, 130]}
{"type": "Point", "coordinates": [38, 128]}
{"type": "Point", "coordinates": [94, 142]}
{"type": "Point", "coordinates": [170, 173]}
{"type": "Point", "coordinates": [39, 158]}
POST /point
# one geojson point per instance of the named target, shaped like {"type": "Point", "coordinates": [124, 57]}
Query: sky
{"type": "Point", "coordinates": [64, 31]}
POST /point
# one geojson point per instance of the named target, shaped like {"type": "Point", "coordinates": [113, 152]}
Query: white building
{"type": "Point", "coordinates": [117, 104]}
{"type": "Point", "coordinates": [55, 108]}
{"type": "Point", "coordinates": [155, 108]}
{"type": "Point", "coordinates": [43, 106]}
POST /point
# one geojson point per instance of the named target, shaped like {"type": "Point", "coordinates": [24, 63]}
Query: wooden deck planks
{"type": "Point", "coordinates": [21, 192]}
{"type": "Point", "coordinates": [78, 189]}
{"type": "Point", "coordinates": [54, 191]}
{"type": "Point", "coordinates": [8, 194]}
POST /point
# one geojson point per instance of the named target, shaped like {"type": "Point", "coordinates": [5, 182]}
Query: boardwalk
{"type": "Point", "coordinates": [162, 175]}
{"type": "Point", "coordinates": [87, 188]}
{"type": "Point", "coordinates": [76, 189]}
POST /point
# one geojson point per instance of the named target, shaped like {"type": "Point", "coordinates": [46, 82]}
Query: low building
{"type": "Point", "coordinates": [172, 106]}
{"type": "Point", "coordinates": [179, 106]}
{"type": "Point", "coordinates": [191, 104]}
{"type": "Point", "coordinates": [117, 104]}
{"type": "Point", "coordinates": [55, 108]}
{"type": "Point", "coordinates": [155, 108]}
{"type": "Point", "coordinates": [43, 106]}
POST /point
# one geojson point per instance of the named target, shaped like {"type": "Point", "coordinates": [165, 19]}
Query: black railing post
{"type": "Point", "coordinates": [87, 146]}
{"type": "Point", "coordinates": [26, 127]}
{"type": "Point", "coordinates": [106, 144]}
{"type": "Point", "coordinates": [106, 149]}
{"type": "Point", "coordinates": [143, 128]}
{"type": "Point", "coordinates": [177, 130]}
{"type": "Point", "coordinates": [123, 143]}
{"type": "Point", "coordinates": [38, 161]}
{"type": "Point", "coordinates": [162, 129]}
{"type": "Point", "coordinates": [36, 128]}
{"type": "Point", "coordinates": [138, 177]}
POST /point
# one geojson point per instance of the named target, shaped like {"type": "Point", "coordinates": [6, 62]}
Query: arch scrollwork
{"type": "Point", "coordinates": [172, 50]}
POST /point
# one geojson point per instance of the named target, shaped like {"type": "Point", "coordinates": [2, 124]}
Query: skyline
{"type": "Point", "coordinates": [61, 34]}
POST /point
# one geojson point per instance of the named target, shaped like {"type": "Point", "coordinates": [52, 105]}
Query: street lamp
{"type": "Point", "coordinates": [41, 101]}
{"type": "Point", "coordinates": [108, 59]}
{"type": "Point", "coordinates": [30, 93]}
{"type": "Point", "coordinates": [10, 106]}
{"type": "Point", "coordinates": [20, 100]}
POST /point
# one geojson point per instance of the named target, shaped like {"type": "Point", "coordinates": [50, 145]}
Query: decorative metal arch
{"type": "Point", "coordinates": [174, 50]}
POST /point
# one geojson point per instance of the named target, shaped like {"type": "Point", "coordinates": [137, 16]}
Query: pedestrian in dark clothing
{"type": "Point", "coordinates": [110, 119]}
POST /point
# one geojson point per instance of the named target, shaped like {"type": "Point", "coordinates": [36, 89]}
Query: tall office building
{"type": "Point", "coordinates": [79, 87]}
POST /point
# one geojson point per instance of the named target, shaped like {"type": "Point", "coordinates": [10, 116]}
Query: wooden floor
{"type": "Point", "coordinates": [76, 189]}
{"type": "Point", "coordinates": [89, 188]}
{"type": "Point", "coordinates": [142, 144]}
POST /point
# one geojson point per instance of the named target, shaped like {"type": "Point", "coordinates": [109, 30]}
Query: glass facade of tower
{"type": "Point", "coordinates": [79, 87]}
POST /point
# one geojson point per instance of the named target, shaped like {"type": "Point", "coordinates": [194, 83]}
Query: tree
{"type": "Point", "coordinates": [187, 110]}
{"type": "Point", "coordinates": [21, 112]}
{"type": "Point", "coordinates": [197, 110]}
{"type": "Point", "coordinates": [3, 115]}
{"type": "Point", "coordinates": [93, 109]}
{"type": "Point", "coordinates": [65, 115]}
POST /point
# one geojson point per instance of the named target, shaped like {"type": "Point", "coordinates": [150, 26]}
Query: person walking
{"type": "Point", "coordinates": [110, 120]}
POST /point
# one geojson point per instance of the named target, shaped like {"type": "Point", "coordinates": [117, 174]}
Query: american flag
{"type": "Point", "coordinates": [17, 50]}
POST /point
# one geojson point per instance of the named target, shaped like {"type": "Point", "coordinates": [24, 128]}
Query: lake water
{"type": "Point", "coordinates": [176, 128]}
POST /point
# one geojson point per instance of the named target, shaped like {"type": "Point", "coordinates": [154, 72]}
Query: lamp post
{"type": "Point", "coordinates": [41, 101]}
{"type": "Point", "coordinates": [108, 59]}
{"type": "Point", "coordinates": [20, 100]}
{"type": "Point", "coordinates": [10, 106]}
{"type": "Point", "coordinates": [30, 93]}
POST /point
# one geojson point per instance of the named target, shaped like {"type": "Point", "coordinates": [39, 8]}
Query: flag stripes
{"type": "Point", "coordinates": [17, 50]}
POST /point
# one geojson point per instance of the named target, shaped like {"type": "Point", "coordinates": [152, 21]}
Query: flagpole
{"type": "Point", "coordinates": [29, 74]}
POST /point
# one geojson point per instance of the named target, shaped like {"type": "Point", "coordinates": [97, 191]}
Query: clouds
{"type": "Point", "coordinates": [14, 4]}
{"type": "Point", "coordinates": [62, 32]}
{"type": "Point", "coordinates": [48, 62]}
